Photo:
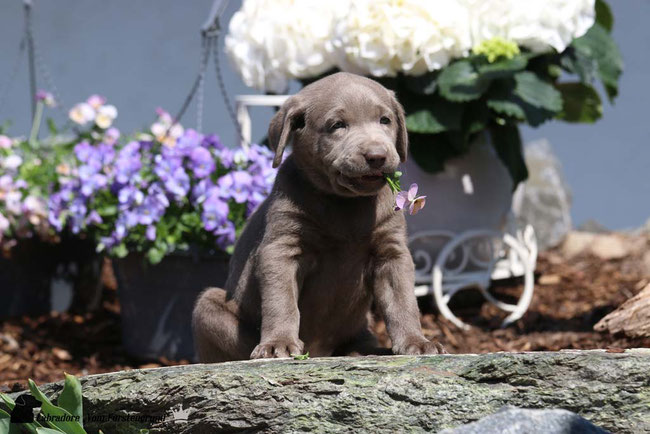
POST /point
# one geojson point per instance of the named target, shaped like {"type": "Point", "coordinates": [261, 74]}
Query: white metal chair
{"type": "Point", "coordinates": [472, 260]}
{"type": "Point", "coordinates": [469, 259]}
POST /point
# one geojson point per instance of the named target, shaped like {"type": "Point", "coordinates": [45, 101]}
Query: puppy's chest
{"type": "Point", "coordinates": [335, 267]}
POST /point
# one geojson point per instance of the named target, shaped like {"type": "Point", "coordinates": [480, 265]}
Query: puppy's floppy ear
{"type": "Point", "coordinates": [402, 141]}
{"type": "Point", "coordinates": [290, 117]}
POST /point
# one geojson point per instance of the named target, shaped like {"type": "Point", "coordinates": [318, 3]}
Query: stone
{"type": "Point", "coordinates": [369, 394]}
{"type": "Point", "coordinates": [544, 200]}
{"type": "Point", "coordinates": [577, 243]}
{"type": "Point", "coordinates": [608, 246]}
{"type": "Point", "coordinates": [527, 421]}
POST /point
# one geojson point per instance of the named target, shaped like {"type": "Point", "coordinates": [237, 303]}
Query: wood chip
{"type": "Point", "coordinates": [61, 354]}
{"type": "Point", "coordinates": [549, 279]}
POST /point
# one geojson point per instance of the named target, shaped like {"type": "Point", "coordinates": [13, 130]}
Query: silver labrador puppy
{"type": "Point", "coordinates": [326, 243]}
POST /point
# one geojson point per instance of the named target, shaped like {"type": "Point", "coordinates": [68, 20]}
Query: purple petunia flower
{"type": "Point", "coordinates": [215, 212]}
{"type": "Point", "coordinates": [202, 162]}
{"type": "Point", "coordinates": [151, 233]}
{"type": "Point", "coordinates": [236, 185]}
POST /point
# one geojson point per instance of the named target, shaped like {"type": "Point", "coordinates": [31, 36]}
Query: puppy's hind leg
{"type": "Point", "coordinates": [219, 334]}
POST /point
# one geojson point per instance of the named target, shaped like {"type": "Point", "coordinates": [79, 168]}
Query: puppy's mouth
{"type": "Point", "coordinates": [363, 184]}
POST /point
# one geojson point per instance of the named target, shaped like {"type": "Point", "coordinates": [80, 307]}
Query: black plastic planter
{"type": "Point", "coordinates": [36, 271]}
{"type": "Point", "coordinates": [157, 302]}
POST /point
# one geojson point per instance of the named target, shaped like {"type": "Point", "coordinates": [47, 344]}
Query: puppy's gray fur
{"type": "Point", "coordinates": [326, 242]}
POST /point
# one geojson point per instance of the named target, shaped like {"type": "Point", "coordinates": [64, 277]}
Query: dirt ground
{"type": "Point", "coordinates": [570, 297]}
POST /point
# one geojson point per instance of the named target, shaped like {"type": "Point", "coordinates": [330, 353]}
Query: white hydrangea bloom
{"type": "Point", "coordinates": [273, 41]}
{"type": "Point", "coordinates": [535, 24]}
{"type": "Point", "coordinates": [384, 37]}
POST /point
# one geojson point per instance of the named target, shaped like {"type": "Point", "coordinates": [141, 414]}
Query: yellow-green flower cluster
{"type": "Point", "coordinates": [496, 48]}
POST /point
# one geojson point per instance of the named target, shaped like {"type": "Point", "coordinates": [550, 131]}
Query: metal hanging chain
{"type": "Point", "coordinates": [224, 93]}
{"type": "Point", "coordinates": [11, 77]}
{"type": "Point", "coordinates": [205, 50]}
{"type": "Point", "coordinates": [206, 43]}
{"type": "Point", "coordinates": [30, 52]}
{"type": "Point", "coordinates": [36, 61]}
{"type": "Point", "coordinates": [210, 44]}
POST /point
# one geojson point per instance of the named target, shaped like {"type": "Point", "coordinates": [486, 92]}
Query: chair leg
{"type": "Point", "coordinates": [441, 303]}
{"type": "Point", "coordinates": [529, 283]}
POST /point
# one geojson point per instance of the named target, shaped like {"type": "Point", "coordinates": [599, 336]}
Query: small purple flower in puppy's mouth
{"type": "Point", "coordinates": [411, 199]}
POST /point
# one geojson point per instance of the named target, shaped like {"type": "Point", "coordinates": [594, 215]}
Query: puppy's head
{"type": "Point", "coordinates": [347, 132]}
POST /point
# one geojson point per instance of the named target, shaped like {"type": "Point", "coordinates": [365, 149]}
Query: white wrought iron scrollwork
{"type": "Point", "coordinates": [471, 260]}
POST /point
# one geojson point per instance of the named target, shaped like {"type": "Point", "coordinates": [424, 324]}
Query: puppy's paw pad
{"type": "Point", "coordinates": [277, 349]}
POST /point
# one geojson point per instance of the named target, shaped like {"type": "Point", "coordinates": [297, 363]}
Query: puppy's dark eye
{"type": "Point", "coordinates": [337, 125]}
{"type": "Point", "coordinates": [384, 120]}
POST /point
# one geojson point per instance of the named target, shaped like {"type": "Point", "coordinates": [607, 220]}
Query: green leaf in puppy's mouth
{"type": "Point", "coordinates": [393, 181]}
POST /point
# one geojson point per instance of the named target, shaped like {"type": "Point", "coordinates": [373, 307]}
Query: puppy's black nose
{"type": "Point", "coordinates": [375, 159]}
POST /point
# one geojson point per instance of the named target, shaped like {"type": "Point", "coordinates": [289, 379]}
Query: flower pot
{"type": "Point", "coordinates": [157, 301]}
{"type": "Point", "coordinates": [39, 277]}
{"type": "Point", "coordinates": [474, 191]}
{"type": "Point", "coordinates": [25, 279]}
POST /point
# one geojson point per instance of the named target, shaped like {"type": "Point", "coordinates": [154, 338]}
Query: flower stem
{"type": "Point", "coordinates": [36, 125]}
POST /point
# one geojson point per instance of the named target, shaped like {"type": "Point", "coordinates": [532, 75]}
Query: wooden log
{"type": "Point", "coordinates": [369, 394]}
{"type": "Point", "coordinates": [632, 318]}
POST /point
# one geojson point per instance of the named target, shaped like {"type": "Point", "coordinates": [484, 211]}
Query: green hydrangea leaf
{"type": "Point", "coordinates": [604, 15]}
{"type": "Point", "coordinates": [597, 44]}
{"type": "Point", "coordinates": [576, 62]}
{"type": "Point", "coordinates": [537, 92]}
{"type": "Point", "coordinates": [507, 108]}
{"type": "Point", "coordinates": [503, 100]}
{"type": "Point", "coordinates": [507, 143]}
{"type": "Point", "coordinates": [423, 121]}
{"type": "Point", "coordinates": [581, 103]}
{"type": "Point", "coordinates": [502, 68]}
{"type": "Point", "coordinates": [460, 82]}
{"type": "Point", "coordinates": [431, 115]}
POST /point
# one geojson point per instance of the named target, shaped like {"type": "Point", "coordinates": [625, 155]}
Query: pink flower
{"type": "Point", "coordinates": [46, 97]}
{"type": "Point", "coordinates": [96, 101]}
{"type": "Point", "coordinates": [5, 142]}
{"type": "Point", "coordinates": [411, 199]}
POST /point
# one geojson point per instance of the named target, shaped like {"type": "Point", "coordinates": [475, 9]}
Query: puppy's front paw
{"type": "Point", "coordinates": [278, 348]}
{"type": "Point", "coordinates": [419, 346]}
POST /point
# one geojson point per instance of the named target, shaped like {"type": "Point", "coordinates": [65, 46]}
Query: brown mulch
{"type": "Point", "coordinates": [570, 297]}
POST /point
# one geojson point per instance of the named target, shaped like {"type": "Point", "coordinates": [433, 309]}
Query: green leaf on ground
{"type": "Point", "coordinates": [70, 398]}
{"type": "Point", "coordinates": [49, 409]}
{"type": "Point", "coordinates": [300, 356]}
